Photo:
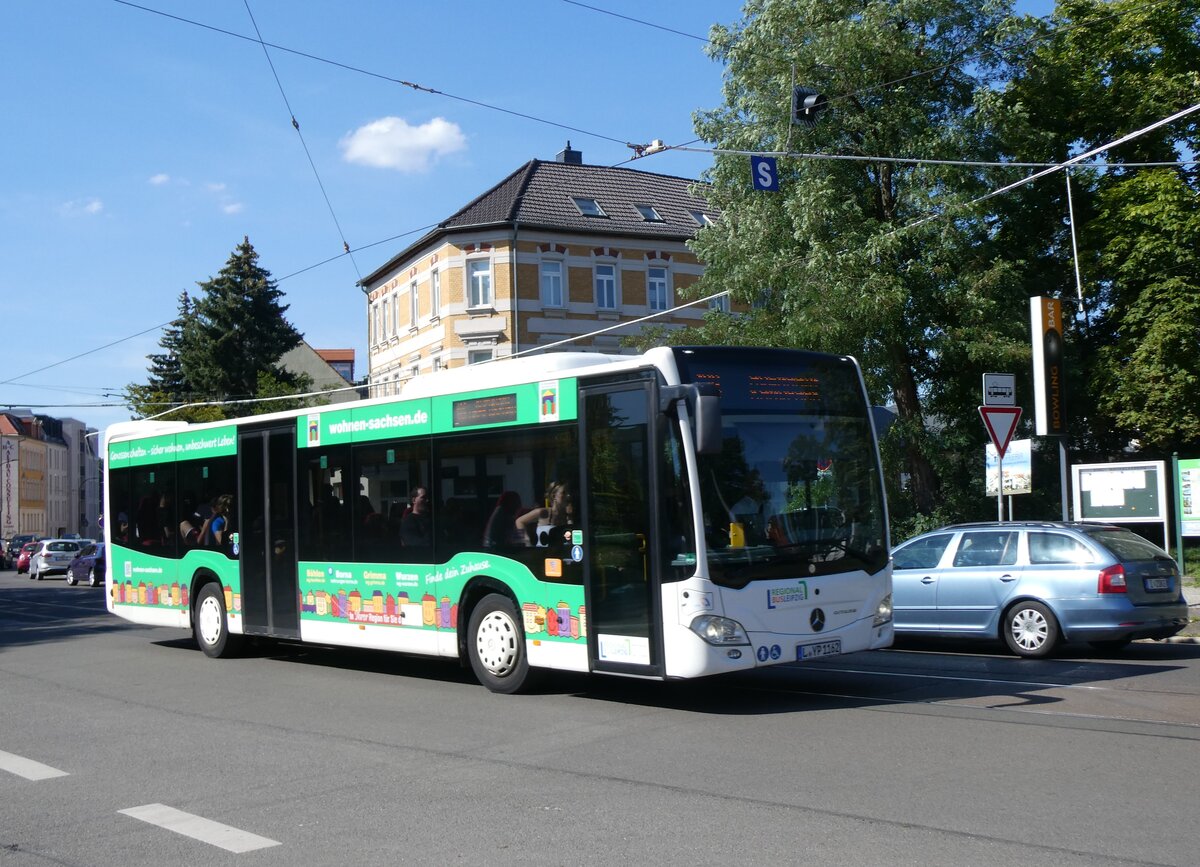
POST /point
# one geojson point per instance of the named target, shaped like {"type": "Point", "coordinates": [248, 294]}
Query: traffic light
{"type": "Point", "coordinates": [806, 105]}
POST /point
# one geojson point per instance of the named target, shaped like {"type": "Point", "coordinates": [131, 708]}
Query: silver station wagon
{"type": "Point", "coordinates": [1034, 585]}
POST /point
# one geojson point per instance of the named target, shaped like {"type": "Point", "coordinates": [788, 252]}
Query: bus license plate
{"type": "Point", "coordinates": [1158, 583]}
{"type": "Point", "coordinates": [823, 648]}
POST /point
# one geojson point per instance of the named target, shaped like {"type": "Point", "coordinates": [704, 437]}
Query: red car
{"type": "Point", "coordinates": [23, 558]}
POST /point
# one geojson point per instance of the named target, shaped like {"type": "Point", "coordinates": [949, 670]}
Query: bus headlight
{"type": "Point", "coordinates": [720, 631]}
{"type": "Point", "coordinates": [883, 613]}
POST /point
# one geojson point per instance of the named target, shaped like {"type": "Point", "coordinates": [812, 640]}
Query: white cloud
{"type": "Point", "coordinates": [81, 207]}
{"type": "Point", "coordinates": [215, 187]}
{"type": "Point", "coordinates": [233, 208]}
{"type": "Point", "coordinates": [160, 179]}
{"type": "Point", "coordinates": [390, 143]}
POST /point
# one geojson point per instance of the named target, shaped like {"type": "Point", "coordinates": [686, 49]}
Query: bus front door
{"type": "Point", "coordinates": [623, 602]}
{"type": "Point", "coordinates": [267, 532]}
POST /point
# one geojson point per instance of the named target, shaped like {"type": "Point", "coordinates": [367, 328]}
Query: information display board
{"type": "Point", "coordinates": [1121, 492]}
{"type": "Point", "coordinates": [1187, 487]}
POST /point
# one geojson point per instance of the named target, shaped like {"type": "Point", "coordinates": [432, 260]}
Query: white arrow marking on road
{"type": "Point", "coordinates": [28, 768]}
{"type": "Point", "coordinates": [198, 828]}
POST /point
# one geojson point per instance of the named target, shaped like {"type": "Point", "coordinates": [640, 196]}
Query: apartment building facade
{"type": "Point", "coordinates": [551, 255]}
{"type": "Point", "coordinates": [49, 476]}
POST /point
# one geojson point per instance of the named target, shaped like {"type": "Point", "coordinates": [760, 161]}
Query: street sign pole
{"type": "Point", "coordinates": [1001, 422]}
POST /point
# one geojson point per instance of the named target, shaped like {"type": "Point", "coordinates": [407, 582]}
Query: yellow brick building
{"type": "Point", "coordinates": [554, 252]}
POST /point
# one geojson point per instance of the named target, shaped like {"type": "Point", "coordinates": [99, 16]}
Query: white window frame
{"type": "Point", "coordinates": [701, 218]}
{"type": "Point", "coordinates": [590, 208]}
{"type": "Point", "coordinates": [666, 286]}
{"type": "Point", "coordinates": [435, 294]}
{"type": "Point", "coordinates": [547, 299]}
{"type": "Point", "coordinates": [597, 283]}
{"type": "Point", "coordinates": [649, 213]}
{"type": "Point", "coordinates": [721, 304]}
{"type": "Point", "coordinates": [376, 334]}
{"type": "Point", "coordinates": [473, 302]}
{"type": "Point", "coordinates": [480, 356]}
{"type": "Point", "coordinates": [413, 305]}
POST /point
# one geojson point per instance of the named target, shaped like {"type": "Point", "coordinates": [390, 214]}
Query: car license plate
{"type": "Point", "coordinates": [1158, 583]}
{"type": "Point", "coordinates": [822, 648]}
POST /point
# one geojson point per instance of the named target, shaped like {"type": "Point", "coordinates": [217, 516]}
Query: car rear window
{"type": "Point", "coordinates": [1127, 546]}
{"type": "Point", "coordinates": [62, 546]}
{"type": "Point", "coordinates": [1046, 548]}
{"type": "Point", "coordinates": [987, 548]}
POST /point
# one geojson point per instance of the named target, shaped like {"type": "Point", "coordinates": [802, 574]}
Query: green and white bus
{"type": "Point", "coordinates": [681, 513]}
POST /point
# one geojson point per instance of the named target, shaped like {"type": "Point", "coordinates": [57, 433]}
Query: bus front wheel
{"type": "Point", "coordinates": [496, 645]}
{"type": "Point", "coordinates": [210, 624]}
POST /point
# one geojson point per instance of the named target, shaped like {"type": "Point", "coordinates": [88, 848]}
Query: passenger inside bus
{"type": "Point", "coordinates": [416, 528]}
{"type": "Point", "coordinates": [502, 529]}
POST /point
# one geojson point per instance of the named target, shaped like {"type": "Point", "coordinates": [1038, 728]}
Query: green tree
{"type": "Point", "coordinates": [237, 331]}
{"type": "Point", "coordinates": [827, 262]}
{"type": "Point", "coordinates": [1100, 71]}
{"type": "Point", "coordinates": [166, 385]}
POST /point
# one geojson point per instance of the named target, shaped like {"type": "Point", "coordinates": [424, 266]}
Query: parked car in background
{"type": "Point", "coordinates": [51, 556]}
{"type": "Point", "coordinates": [88, 565]}
{"type": "Point", "coordinates": [1034, 585]}
{"type": "Point", "coordinates": [23, 557]}
{"type": "Point", "coordinates": [16, 543]}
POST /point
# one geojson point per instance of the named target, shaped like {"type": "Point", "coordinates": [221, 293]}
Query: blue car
{"type": "Point", "coordinates": [1036, 585]}
{"type": "Point", "coordinates": [88, 565]}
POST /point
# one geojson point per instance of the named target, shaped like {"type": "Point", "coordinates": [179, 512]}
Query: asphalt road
{"type": "Point", "coordinates": [124, 745]}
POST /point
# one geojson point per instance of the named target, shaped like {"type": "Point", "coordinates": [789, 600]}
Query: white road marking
{"type": "Point", "coordinates": [198, 828]}
{"type": "Point", "coordinates": [28, 768]}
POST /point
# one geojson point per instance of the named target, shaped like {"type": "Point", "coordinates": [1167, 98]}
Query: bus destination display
{"type": "Point", "coordinates": [496, 409]}
{"type": "Point", "coordinates": [756, 389]}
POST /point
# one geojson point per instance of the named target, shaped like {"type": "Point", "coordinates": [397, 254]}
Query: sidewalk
{"type": "Point", "coordinates": [1191, 632]}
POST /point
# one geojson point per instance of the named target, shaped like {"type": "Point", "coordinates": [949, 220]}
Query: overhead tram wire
{"type": "Point", "coordinates": [359, 70]}
{"type": "Point", "coordinates": [303, 143]}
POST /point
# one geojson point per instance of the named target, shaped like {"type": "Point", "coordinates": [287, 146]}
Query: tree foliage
{"type": "Point", "coordinates": [224, 346]}
{"type": "Point", "coordinates": [917, 272]}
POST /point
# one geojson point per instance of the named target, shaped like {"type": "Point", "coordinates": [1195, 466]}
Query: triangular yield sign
{"type": "Point", "coordinates": [1000, 422]}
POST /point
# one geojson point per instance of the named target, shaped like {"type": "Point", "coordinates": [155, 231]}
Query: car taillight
{"type": "Point", "coordinates": [1112, 580]}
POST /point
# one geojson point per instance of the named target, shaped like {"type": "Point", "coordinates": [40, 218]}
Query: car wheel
{"type": "Point", "coordinates": [496, 645]}
{"type": "Point", "coordinates": [93, 578]}
{"type": "Point", "coordinates": [1111, 644]}
{"type": "Point", "coordinates": [71, 578]}
{"type": "Point", "coordinates": [210, 624]}
{"type": "Point", "coordinates": [1030, 630]}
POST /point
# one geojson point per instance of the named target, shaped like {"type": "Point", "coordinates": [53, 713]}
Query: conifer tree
{"type": "Point", "coordinates": [237, 330]}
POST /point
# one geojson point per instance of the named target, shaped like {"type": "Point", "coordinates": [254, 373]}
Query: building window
{"type": "Point", "coordinates": [377, 335]}
{"type": "Point", "coordinates": [552, 284]}
{"type": "Point", "coordinates": [658, 293]}
{"type": "Point", "coordinates": [412, 304]}
{"type": "Point", "coordinates": [389, 315]}
{"type": "Point", "coordinates": [701, 218]}
{"type": "Point", "coordinates": [588, 207]}
{"type": "Point", "coordinates": [435, 294]}
{"type": "Point", "coordinates": [478, 356]}
{"type": "Point", "coordinates": [649, 214]}
{"type": "Point", "coordinates": [721, 303]}
{"type": "Point", "coordinates": [480, 279]}
{"type": "Point", "coordinates": [606, 287]}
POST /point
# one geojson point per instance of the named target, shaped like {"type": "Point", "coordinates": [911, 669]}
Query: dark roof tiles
{"type": "Point", "coordinates": [539, 194]}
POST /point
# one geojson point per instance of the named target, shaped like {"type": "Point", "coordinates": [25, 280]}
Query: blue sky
{"type": "Point", "coordinates": [139, 149]}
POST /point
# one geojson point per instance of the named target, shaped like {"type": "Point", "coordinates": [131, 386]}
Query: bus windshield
{"type": "Point", "coordinates": [796, 490]}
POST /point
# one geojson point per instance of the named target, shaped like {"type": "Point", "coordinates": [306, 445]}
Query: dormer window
{"type": "Point", "coordinates": [649, 214]}
{"type": "Point", "coordinates": [588, 207]}
{"type": "Point", "coordinates": [701, 218]}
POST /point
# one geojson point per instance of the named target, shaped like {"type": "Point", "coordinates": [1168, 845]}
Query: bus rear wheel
{"type": "Point", "coordinates": [496, 645]}
{"type": "Point", "coordinates": [210, 624]}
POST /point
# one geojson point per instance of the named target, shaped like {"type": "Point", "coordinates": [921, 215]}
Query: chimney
{"type": "Point", "coordinates": [566, 155]}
